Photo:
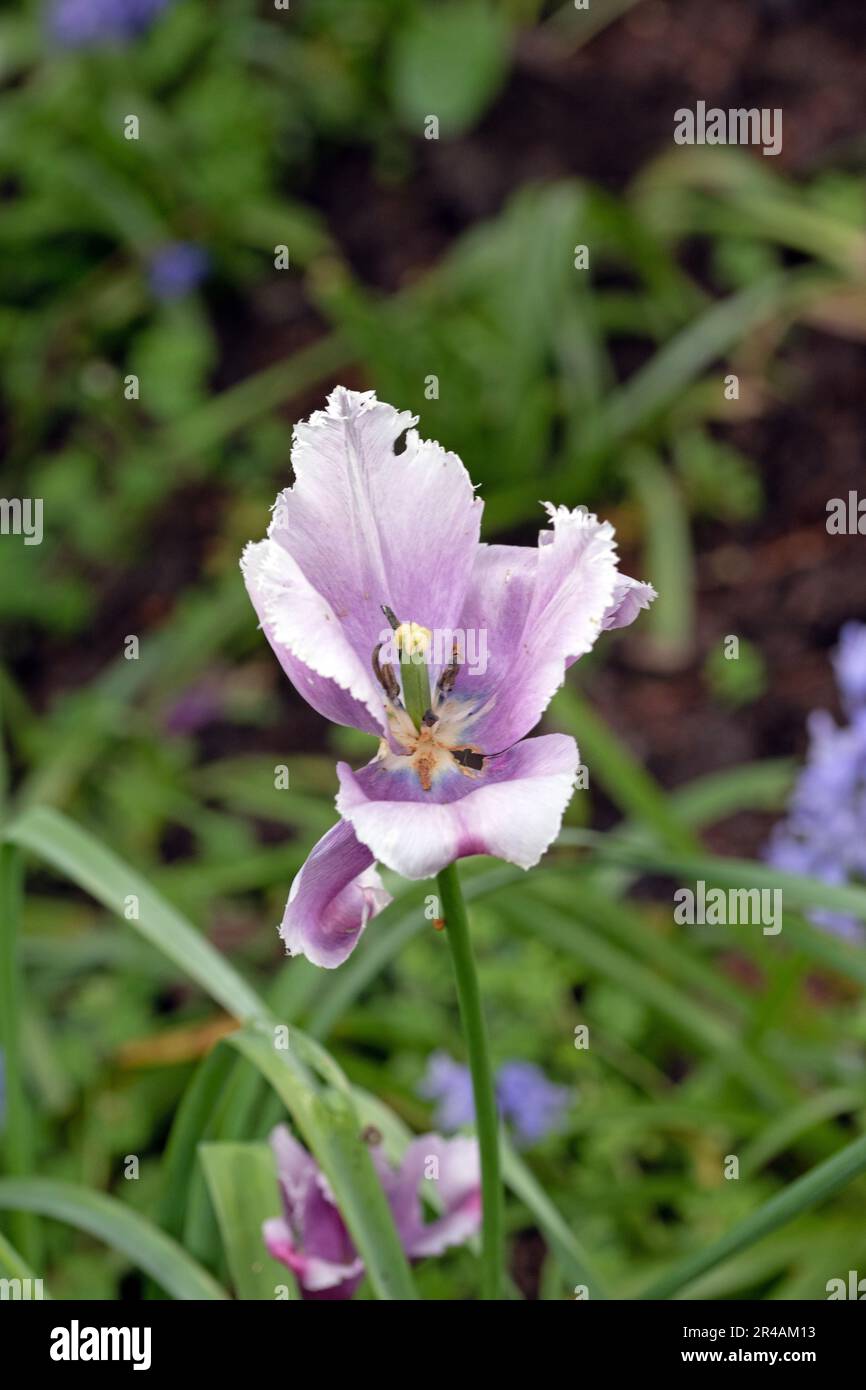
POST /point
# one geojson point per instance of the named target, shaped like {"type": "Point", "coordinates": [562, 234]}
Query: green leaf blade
{"type": "Point", "coordinates": [104, 1217]}
{"type": "Point", "coordinates": [242, 1182]}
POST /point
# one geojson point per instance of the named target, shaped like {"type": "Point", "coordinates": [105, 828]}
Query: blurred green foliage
{"type": "Point", "coordinates": [737, 679]}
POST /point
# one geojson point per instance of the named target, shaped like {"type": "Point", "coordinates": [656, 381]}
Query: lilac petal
{"type": "Point", "coordinates": [629, 597]}
{"type": "Point", "coordinates": [310, 1238]}
{"type": "Point", "coordinates": [317, 1277]}
{"type": "Point", "coordinates": [458, 1187]}
{"type": "Point", "coordinates": [296, 1170]}
{"type": "Point", "coordinates": [309, 640]}
{"type": "Point", "coordinates": [331, 1260]}
{"type": "Point", "coordinates": [514, 813]}
{"type": "Point", "coordinates": [332, 899]}
{"type": "Point", "coordinates": [281, 1243]}
{"type": "Point", "coordinates": [541, 609]}
{"type": "Point", "coordinates": [361, 527]}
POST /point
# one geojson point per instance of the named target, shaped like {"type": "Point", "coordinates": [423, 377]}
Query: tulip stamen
{"type": "Point", "coordinates": [445, 683]}
{"type": "Point", "coordinates": [384, 674]}
{"type": "Point", "coordinates": [470, 758]}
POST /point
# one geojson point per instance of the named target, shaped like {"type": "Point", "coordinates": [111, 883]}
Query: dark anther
{"type": "Point", "coordinates": [429, 718]}
{"type": "Point", "coordinates": [385, 676]}
{"type": "Point", "coordinates": [391, 616]}
{"type": "Point", "coordinates": [445, 683]}
{"type": "Point", "coordinates": [467, 757]}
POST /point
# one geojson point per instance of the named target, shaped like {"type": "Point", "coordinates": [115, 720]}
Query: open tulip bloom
{"type": "Point", "coordinates": [389, 615]}
{"type": "Point", "coordinates": [365, 529]}
{"type": "Point", "coordinates": [311, 1238]}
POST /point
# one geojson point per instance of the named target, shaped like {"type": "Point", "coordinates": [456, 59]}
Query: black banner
{"type": "Point", "coordinates": [151, 1338]}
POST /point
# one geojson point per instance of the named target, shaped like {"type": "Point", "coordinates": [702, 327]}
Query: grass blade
{"type": "Point", "coordinates": [61, 843]}
{"type": "Point", "coordinates": [785, 1129]}
{"type": "Point", "coordinates": [15, 1129]}
{"type": "Point", "coordinates": [813, 1187]}
{"type": "Point", "coordinates": [242, 1182]}
{"type": "Point", "coordinates": [669, 559]}
{"type": "Point", "coordinates": [196, 1108]}
{"type": "Point", "coordinates": [798, 891]}
{"type": "Point", "coordinates": [14, 1266]}
{"type": "Point", "coordinates": [104, 1217]}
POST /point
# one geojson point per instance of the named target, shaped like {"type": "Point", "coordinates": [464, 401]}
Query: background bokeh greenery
{"type": "Point", "coordinates": [408, 259]}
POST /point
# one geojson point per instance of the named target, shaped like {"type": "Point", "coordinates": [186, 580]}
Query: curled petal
{"type": "Point", "coordinates": [316, 1276]}
{"type": "Point", "coordinates": [629, 597]}
{"type": "Point", "coordinates": [332, 899]}
{"type": "Point", "coordinates": [451, 1166]}
{"type": "Point", "coordinates": [513, 813]}
{"type": "Point", "coordinates": [541, 610]}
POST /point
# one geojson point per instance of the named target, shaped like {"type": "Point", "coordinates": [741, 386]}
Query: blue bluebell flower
{"type": "Point", "coordinates": [849, 664]}
{"type": "Point", "coordinates": [450, 1085]}
{"type": "Point", "coordinates": [177, 268]}
{"type": "Point", "coordinates": [91, 23]}
{"type": "Point", "coordinates": [824, 832]}
{"type": "Point", "coordinates": [532, 1105]}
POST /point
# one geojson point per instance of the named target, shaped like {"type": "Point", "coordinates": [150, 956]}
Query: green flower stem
{"type": "Point", "coordinates": [486, 1118]}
